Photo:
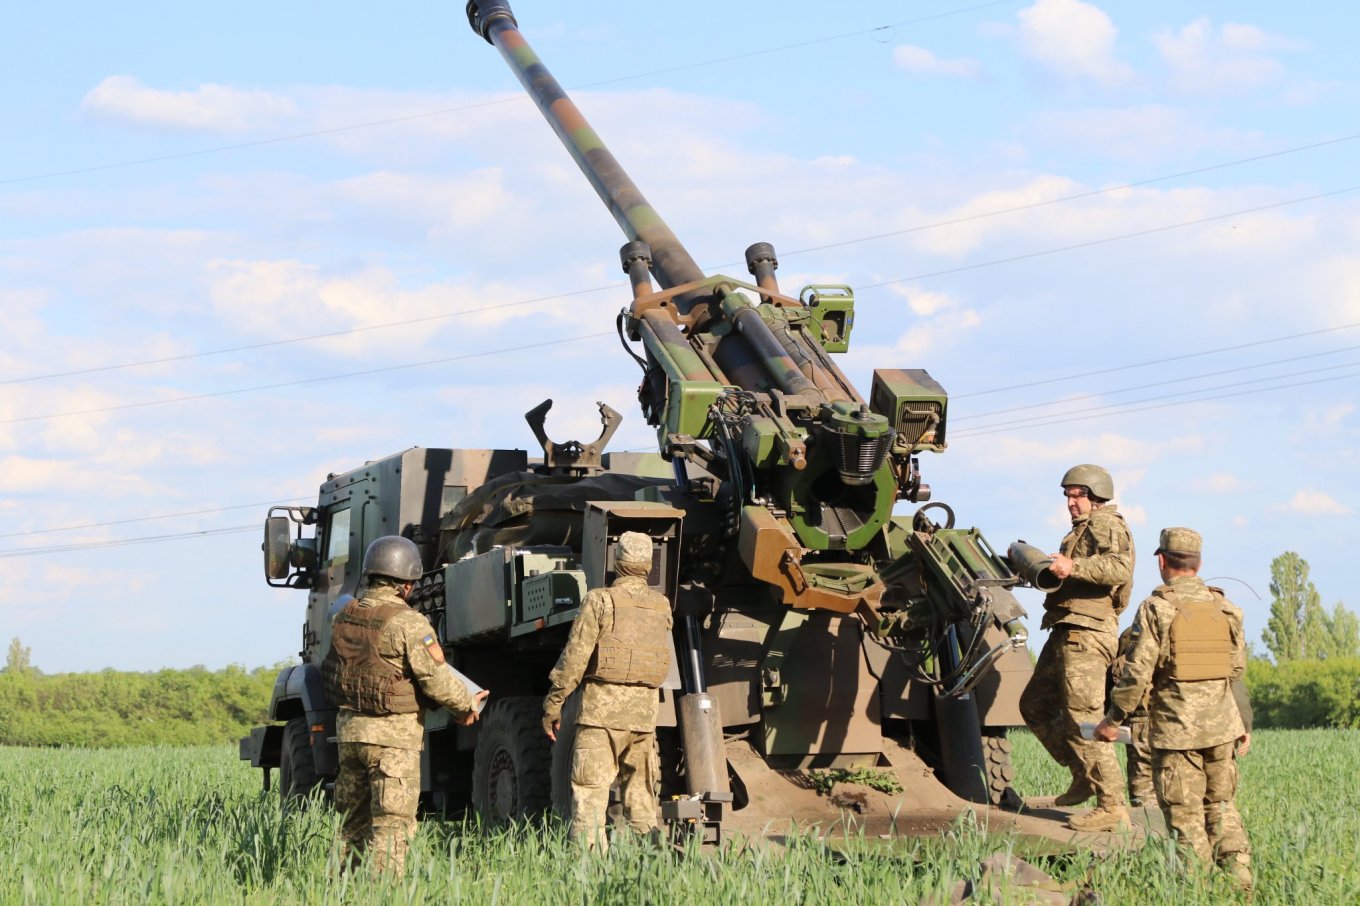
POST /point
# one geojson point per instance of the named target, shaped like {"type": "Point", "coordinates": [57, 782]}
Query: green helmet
{"type": "Point", "coordinates": [393, 556]}
{"type": "Point", "coordinates": [1091, 477]}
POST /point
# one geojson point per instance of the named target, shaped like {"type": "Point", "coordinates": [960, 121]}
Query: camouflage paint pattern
{"type": "Point", "coordinates": [377, 792]}
{"type": "Point", "coordinates": [634, 215]}
{"type": "Point", "coordinates": [1197, 789]}
{"type": "Point", "coordinates": [1068, 689]}
{"type": "Point", "coordinates": [1194, 729]}
{"type": "Point", "coordinates": [1138, 753]}
{"type": "Point", "coordinates": [1102, 573]}
{"type": "Point", "coordinates": [1184, 715]}
{"type": "Point", "coordinates": [377, 787]}
{"type": "Point", "coordinates": [409, 643]}
{"type": "Point", "coordinates": [599, 756]}
{"type": "Point", "coordinates": [610, 705]}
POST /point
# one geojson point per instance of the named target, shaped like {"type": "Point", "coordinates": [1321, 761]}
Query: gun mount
{"type": "Point", "coordinates": [814, 627]}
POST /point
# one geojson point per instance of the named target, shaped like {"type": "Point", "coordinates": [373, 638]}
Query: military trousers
{"type": "Point", "coordinates": [598, 757]}
{"type": "Point", "coordinates": [1138, 759]}
{"type": "Point", "coordinates": [377, 790]}
{"type": "Point", "coordinates": [1196, 788]}
{"type": "Point", "coordinates": [1068, 689]}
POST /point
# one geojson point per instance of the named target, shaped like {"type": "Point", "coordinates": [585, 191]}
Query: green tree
{"type": "Point", "coordinates": [20, 658]}
{"type": "Point", "coordinates": [1345, 632]}
{"type": "Point", "coordinates": [1291, 592]}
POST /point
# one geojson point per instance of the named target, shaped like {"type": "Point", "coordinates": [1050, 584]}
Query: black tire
{"type": "Point", "coordinates": [511, 766]}
{"type": "Point", "coordinates": [561, 756]}
{"type": "Point", "coordinates": [297, 769]}
{"type": "Point", "coordinates": [996, 748]}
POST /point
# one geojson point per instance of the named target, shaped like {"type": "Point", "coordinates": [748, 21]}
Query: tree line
{"type": "Point", "coordinates": [1312, 675]}
{"type": "Point", "coordinates": [1310, 679]}
{"type": "Point", "coordinates": [111, 708]}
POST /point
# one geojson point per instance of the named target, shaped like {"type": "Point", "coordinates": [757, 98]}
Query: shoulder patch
{"type": "Point", "coordinates": [432, 645]}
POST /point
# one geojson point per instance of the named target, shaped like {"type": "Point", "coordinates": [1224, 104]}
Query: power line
{"type": "Point", "coordinates": [1162, 361]}
{"type": "Point", "coordinates": [1185, 379]}
{"type": "Point", "coordinates": [1093, 193]}
{"type": "Point", "coordinates": [1108, 239]}
{"type": "Point", "coordinates": [125, 542]}
{"type": "Point", "coordinates": [90, 525]}
{"type": "Point", "coordinates": [316, 336]}
{"type": "Point", "coordinates": [978, 265]}
{"type": "Point", "coordinates": [717, 267]}
{"type": "Point", "coordinates": [1100, 411]}
{"type": "Point", "coordinates": [517, 98]}
{"type": "Point", "coordinates": [312, 380]}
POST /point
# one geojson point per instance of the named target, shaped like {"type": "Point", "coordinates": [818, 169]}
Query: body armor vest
{"type": "Point", "coordinates": [634, 651]}
{"type": "Point", "coordinates": [357, 678]}
{"type": "Point", "coordinates": [1201, 643]}
{"type": "Point", "coordinates": [1100, 602]}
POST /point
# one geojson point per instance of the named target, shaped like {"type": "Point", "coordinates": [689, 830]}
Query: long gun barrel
{"type": "Point", "coordinates": [672, 264]}
{"type": "Point", "coordinates": [809, 465]}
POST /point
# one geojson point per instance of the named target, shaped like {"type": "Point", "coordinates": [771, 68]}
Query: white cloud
{"type": "Point", "coordinates": [210, 108]}
{"type": "Point", "coordinates": [918, 59]}
{"type": "Point", "coordinates": [1141, 133]}
{"type": "Point", "coordinates": [1310, 502]}
{"type": "Point", "coordinates": [1229, 59]}
{"type": "Point", "coordinates": [1220, 483]}
{"type": "Point", "coordinates": [1073, 39]}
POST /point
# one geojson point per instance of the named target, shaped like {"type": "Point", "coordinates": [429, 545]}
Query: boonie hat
{"type": "Point", "coordinates": [634, 547]}
{"type": "Point", "coordinates": [1179, 540]}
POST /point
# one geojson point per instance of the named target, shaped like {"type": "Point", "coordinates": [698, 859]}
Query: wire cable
{"type": "Point", "coordinates": [716, 267]}
{"type": "Point", "coordinates": [90, 525]}
{"type": "Point", "coordinates": [516, 98]}
{"type": "Point", "coordinates": [123, 542]}
{"type": "Point", "coordinates": [301, 381]}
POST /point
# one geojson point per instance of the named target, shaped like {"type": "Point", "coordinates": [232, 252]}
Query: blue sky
{"type": "Point", "coordinates": [1120, 233]}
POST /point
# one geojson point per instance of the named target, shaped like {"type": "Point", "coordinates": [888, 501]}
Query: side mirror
{"type": "Point", "coordinates": [278, 538]}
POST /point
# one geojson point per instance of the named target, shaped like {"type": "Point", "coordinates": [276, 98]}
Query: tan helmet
{"type": "Point", "coordinates": [395, 557]}
{"type": "Point", "coordinates": [1091, 477]}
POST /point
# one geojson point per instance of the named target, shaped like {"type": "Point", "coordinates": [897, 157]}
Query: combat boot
{"type": "Point", "coordinates": [1076, 794]}
{"type": "Point", "coordinates": [1238, 869]}
{"type": "Point", "coordinates": [1101, 818]}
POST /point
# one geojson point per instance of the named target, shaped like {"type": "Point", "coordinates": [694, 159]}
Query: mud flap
{"type": "Point", "coordinates": [964, 763]}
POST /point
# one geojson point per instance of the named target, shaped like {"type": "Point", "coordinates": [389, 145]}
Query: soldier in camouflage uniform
{"type": "Point", "coordinates": [1190, 649]}
{"type": "Point", "coordinates": [1138, 753]}
{"type": "Point", "coordinates": [619, 644]}
{"type": "Point", "coordinates": [1095, 562]}
{"type": "Point", "coordinates": [384, 667]}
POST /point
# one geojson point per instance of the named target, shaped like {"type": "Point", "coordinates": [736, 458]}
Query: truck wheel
{"type": "Point", "coordinates": [996, 748]}
{"type": "Point", "coordinates": [297, 770]}
{"type": "Point", "coordinates": [561, 756]}
{"type": "Point", "coordinates": [511, 766]}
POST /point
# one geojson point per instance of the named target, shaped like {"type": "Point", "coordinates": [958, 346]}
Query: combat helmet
{"type": "Point", "coordinates": [395, 557]}
{"type": "Point", "coordinates": [1091, 477]}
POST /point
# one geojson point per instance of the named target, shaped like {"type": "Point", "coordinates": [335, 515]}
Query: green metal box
{"type": "Point", "coordinates": [914, 404]}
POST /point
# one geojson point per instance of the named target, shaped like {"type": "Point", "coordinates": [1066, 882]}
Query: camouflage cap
{"type": "Point", "coordinates": [1179, 540]}
{"type": "Point", "coordinates": [634, 547]}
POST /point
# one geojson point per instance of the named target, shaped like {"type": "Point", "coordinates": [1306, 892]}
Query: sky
{"type": "Point", "coordinates": [245, 247]}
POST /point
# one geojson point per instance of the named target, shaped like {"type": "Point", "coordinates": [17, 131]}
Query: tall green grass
{"type": "Point", "coordinates": [163, 825]}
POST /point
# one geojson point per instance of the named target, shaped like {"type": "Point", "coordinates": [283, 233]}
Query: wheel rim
{"type": "Point", "coordinates": [503, 787]}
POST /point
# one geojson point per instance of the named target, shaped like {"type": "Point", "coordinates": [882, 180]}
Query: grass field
{"type": "Point", "coordinates": [162, 825]}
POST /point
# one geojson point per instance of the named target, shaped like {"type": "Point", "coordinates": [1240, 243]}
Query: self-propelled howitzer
{"type": "Point", "coordinates": [814, 628]}
{"type": "Point", "coordinates": [740, 375]}
{"type": "Point", "coordinates": [738, 378]}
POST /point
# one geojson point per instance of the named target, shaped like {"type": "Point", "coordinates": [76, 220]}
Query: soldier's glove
{"type": "Point", "coordinates": [550, 725]}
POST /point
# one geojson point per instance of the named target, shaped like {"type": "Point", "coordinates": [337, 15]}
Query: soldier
{"type": "Point", "coordinates": [1095, 563]}
{"type": "Point", "coordinates": [384, 667]}
{"type": "Point", "coordinates": [1190, 649]}
{"type": "Point", "coordinates": [1138, 763]}
{"type": "Point", "coordinates": [619, 644]}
